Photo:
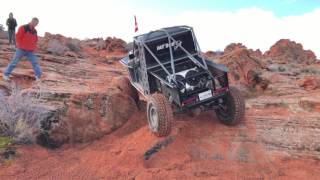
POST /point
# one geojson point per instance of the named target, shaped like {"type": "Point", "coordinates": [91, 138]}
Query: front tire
{"type": "Point", "coordinates": [232, 110]}
{"type": "Point", "coordinates": [160, 116]}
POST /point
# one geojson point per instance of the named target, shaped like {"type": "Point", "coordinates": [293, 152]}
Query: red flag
{"type": "Point", "coordinates": [135, 24]}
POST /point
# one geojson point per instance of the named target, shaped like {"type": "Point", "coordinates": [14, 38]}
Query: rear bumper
{"type": "Point", "coordinates": [211, 102]}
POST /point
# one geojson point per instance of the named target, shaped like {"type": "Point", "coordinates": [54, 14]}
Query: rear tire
{"type": "Point", "coordinates": [160, 116]}
{"type": "Point", "coordinates": [232, 110]}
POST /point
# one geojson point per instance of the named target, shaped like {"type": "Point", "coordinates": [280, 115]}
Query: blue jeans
{"type": "Point", "coordinates": [12, 36]}
{"type": "Point", "coordinates": [17, 57]}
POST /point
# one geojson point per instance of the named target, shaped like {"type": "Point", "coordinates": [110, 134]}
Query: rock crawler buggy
{"type": "Point", "coordinates": [166, 66]}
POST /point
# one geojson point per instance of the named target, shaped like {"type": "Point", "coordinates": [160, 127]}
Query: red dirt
{"type": "Point", "coordinates": [202, 148]}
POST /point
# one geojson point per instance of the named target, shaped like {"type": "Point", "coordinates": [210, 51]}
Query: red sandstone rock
{"type": "Point", "coordinates": [244, 65]}
{"type": "Point", "coordinates": [115, 44]}
{"type": "Point", "coordinates": [286, 51]}
{"type": "Point", "coordinates": [310, 83]}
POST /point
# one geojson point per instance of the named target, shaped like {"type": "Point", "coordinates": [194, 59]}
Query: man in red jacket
{"type": "Point", "coordinates": [26, 40]}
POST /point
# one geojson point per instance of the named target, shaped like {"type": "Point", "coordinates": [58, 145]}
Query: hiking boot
{"type": "Point", "coordinates": [12, 47]}
{"type": "Point", "coordinates": [38, 79]}
{"type": "Point", "coordinates": [6, 78]}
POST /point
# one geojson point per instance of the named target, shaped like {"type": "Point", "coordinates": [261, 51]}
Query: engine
{"type": "Point", "coordinates": [189, 80]}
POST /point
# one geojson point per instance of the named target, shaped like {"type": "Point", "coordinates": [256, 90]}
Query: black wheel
{"type": "Point", "coordinates": [232, 109]}
{"type": "Point", "coordinates": [123, 83]}
{"type": "Point", "coordinates": [160, 116]}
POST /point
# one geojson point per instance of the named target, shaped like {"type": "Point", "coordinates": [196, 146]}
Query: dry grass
{"type": "Point", "coordinates": [20, 116]}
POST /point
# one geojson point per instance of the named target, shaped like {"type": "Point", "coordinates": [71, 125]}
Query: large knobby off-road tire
{"type": "Point", "coordinates": [160, 116]}
{"type": "Point", "coordinates": [123, 83]}
{"type": "Point", "coordinates": [232, 110]}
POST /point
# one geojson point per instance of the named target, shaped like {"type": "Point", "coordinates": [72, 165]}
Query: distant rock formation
{"type": "Point", "coordinates": [287, 51]}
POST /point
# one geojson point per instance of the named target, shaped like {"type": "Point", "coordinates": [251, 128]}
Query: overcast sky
{"type": "Point", "coordinates": [257, 24]}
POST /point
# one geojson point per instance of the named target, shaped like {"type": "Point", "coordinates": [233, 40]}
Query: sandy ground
{"type": "Point", "coordinates": [202, 148]}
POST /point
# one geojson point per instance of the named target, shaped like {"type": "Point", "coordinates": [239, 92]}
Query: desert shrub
{"type": "Point", "coordinates": [4, 142]}
{"type": "Point", "coordinates": [57, 48]}
{"type": "Point", "coordinates": [20, 116]}
{"type": "Point", "coordinates": [73, 46]}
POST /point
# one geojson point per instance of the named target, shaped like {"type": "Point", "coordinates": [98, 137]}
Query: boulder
{"type": "Point", "coordinates": [236, 46]}
{"type": "Point", "coordinates": [286, 51]}
{"type": "Point", "coordinates": [116, 45]}
{"type": "Point", "coordinates": [90, 116]}
{"type": "Point", "coordinates": [244, 66]}
{"type": "Point", "coordinates": [76, 95]}
{"type": "Point", "coordinates": [60, 45]}
{"type": "Point", "coordinates": [57, 48]}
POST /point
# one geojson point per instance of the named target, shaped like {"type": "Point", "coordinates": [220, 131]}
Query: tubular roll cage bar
{"type": "Point", "coordinates": [170, 40]}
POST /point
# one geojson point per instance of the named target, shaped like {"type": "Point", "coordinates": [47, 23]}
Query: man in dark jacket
{"type": "Point", "coordinates": [12, 24]}
{"type": "Point", "coordinates": [26, 43]}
